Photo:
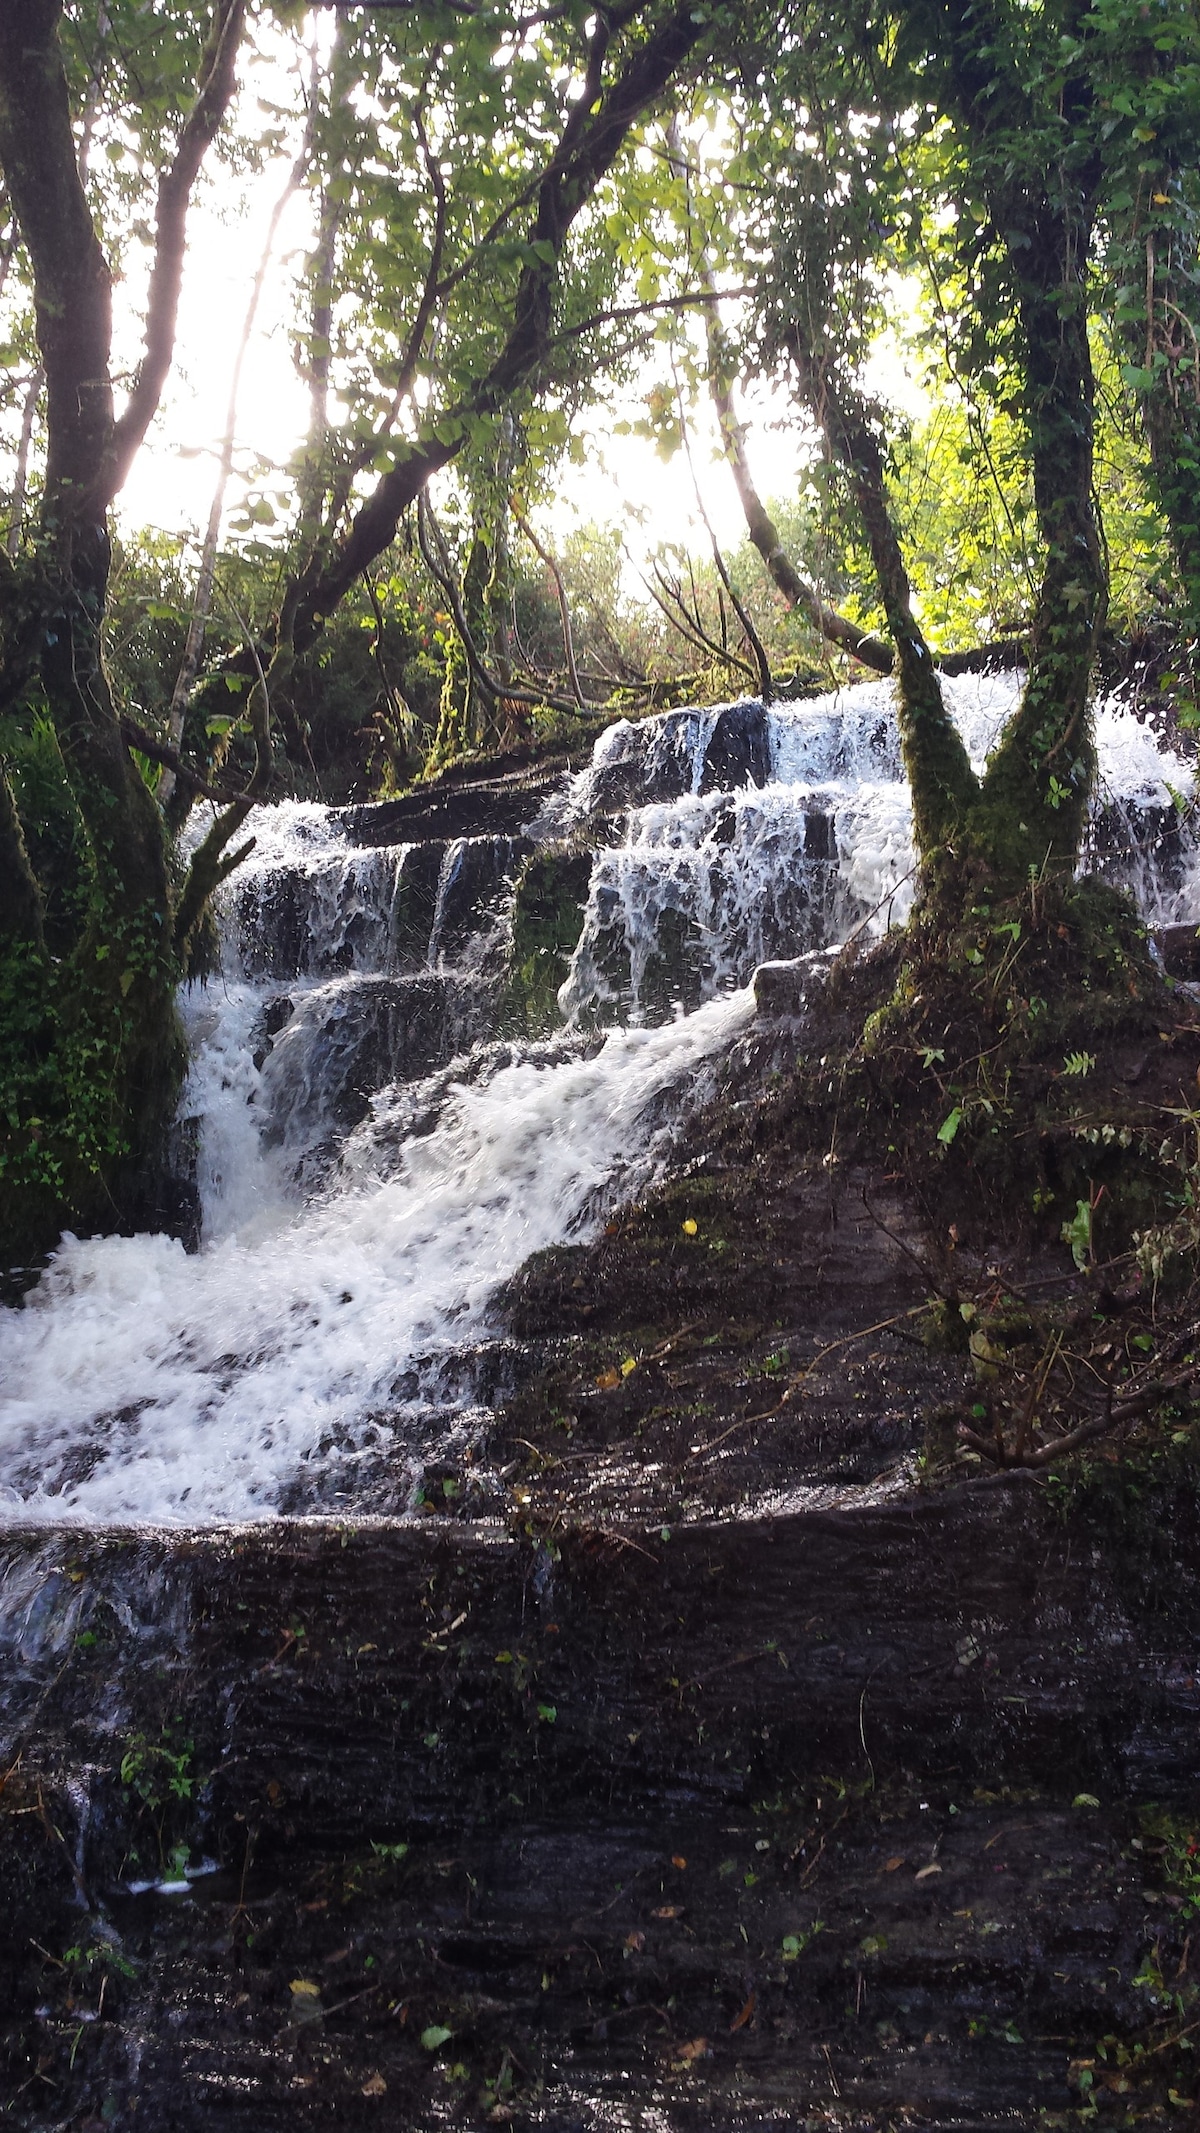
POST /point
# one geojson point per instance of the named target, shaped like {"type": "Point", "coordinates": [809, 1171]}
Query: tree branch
{"type": "Point", "coordinates": [761, 528]}
{"type": "Point", "coordinates": [944, 786]}
{"type": "Point", "coordinates": [136, 736]}
{"type": "Point", "coordinates": [591, 140]}
{"type": "Point", "coordinates": [564, 611]}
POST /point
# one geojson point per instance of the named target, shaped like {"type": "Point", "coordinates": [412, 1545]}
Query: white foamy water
{"type": "Point", "coordinates": [372, 1161]}
{"type": "Point", "coordinates": [141, 1384]}
{"type": "Point", "coordinates": [718, 881]}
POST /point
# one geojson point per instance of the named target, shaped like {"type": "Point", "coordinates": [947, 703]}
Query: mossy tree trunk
{"type": "Point", "coordinates": [89, 1050]}
{"type": "Point", "coordinates": [1026, 813]}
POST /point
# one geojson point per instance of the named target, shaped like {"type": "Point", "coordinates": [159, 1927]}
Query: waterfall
{"type": "Point", "coordinates": [377, 1139]}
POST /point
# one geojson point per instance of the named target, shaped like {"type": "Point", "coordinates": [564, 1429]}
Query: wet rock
{"type": "Point", "coordinates": [1179, 948]}
{"type": "Point", "coordinates": [491, 805]}
{"type": "Point", "coordinates": [345, 1041]}
{"type": "Point", "coordinates": [739, 752]}
{"type": "Point", "coordinates": [786, 989]}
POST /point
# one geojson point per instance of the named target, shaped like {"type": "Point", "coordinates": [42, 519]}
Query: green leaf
{"type": "Point", "coordinates": [949, 1126]}
{"type": "Point", "coordinates": [1078, 1234]}
{"type": "Point", "coordinates": [433, 2038]}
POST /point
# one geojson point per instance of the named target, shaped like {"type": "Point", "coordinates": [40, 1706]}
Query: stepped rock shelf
{"type": "Point", "coordinates": [413, 1717]}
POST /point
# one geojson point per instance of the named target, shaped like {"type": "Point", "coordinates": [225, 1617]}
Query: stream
{"type": "Point", "coordinates": [375, 1150]}
{"type": "Point", "coordinates": [441, 1685]}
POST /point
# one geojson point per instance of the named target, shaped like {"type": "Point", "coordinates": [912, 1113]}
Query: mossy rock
{"type": "Point", "coordinates": [551, 892]}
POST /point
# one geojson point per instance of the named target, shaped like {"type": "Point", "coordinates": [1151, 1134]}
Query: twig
{"type": "Point", "coordinates": [563, 608]}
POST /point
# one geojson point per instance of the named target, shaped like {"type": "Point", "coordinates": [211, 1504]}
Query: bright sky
{"type": "Point", "coordinates": [170, 487]}
{"type": "Point", "coordinates": [624, 482]}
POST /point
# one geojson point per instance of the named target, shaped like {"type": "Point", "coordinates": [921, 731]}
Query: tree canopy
{"type": "Point", "coordinates": [511, 211]}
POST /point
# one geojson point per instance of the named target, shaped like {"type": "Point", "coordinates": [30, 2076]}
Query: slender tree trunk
{"type": "Point", "coordinates": [189, 665]}
{"type": "Point", "coordinates": [760, 526]}
{"type": "Point", "coordinates": [1163, 352]}
{"type": "Point", "coordinates": [20, 897]}
{"type": "Point", "coordinates": [16, 514]}
{"type": "Point", "coordinates": [944, 786]}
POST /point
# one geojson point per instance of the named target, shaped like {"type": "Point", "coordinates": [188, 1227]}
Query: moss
{"type": "Point", "coordinates": [979, 1052]}
{"type": "Point", "coordinates": [551, 892]}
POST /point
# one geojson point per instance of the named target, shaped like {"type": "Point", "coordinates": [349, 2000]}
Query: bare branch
{"type": "Point", "coordinates": [694, 632]}
{"type": "Point", "coordinates": [765, 682]}
{"type": "Point", "coordinates": [563, 607]}
{"type": "Point", "coordinates": [441, 571]}
{"type": "Point", "coordinates": [136, 736]}
{"type": "Point", "coordinates": [16, 518]}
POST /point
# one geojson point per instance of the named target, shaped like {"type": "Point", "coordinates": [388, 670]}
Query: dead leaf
{"type": "Point", "coordinates": [678, 1860]}
{"type": "Point", "coordinates": [740, 2020]}
{"type": "Point", "coordinates": [608, 1380]}
{"type": "Point", "coordinates": [924, 1872]}
{"type": "Point", "coordinates": [666, 1910]}
{"type": "Point", "coordinates": [636, 1941]}
{"type": "Point", "coordinates": [890, 1865]}
{"type": "Point", "coordinates": [376, 2086]}
{"type": "Point", "coordinates": [697, 2049]}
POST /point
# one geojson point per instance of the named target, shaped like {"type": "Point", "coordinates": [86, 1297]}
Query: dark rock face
{"type": "Point", "coordinates": [739, 752]}
{"type": "Point", "coordinates": [336, 1046]}
{"type": "Point", "coordinates": [680, 752]}
{"type": "Point", "coordinates": [785, 989]}
{"type": "Point", "coordinates": [1179, 947]}
{"type": "Point", "coordinates": [683, 1826]}
{"type": "Point", "coordinates": [493, 806]}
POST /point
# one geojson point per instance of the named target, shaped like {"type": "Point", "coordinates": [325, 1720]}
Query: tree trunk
{"type": "Point", "coordinates": [944, 786]}
{"type": "Point", "coordinates": [1162, 351]}
{"type": "Point", "coordinates": [90, 1084]}
{"type": "Point", "coordinates": [1039, 783]}
{"type": "Point", "coordinates": [760, 526]}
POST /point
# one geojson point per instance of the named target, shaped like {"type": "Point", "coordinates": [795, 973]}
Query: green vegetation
{"type": "Point", "coordinates": [509, 221]}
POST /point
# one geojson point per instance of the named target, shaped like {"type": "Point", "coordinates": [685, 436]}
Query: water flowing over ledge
{"type": "Point", "coordinates": [376, 1147]}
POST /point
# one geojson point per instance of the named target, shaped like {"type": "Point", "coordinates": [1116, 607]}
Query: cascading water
{"type": "Point", "coordinates": [373, 1153]}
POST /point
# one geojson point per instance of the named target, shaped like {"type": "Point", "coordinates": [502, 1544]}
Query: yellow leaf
{"type": "Point", "coordinates": [740, 2020]}
{"type": "Point", "coordinates": [630, 1363]}
{"type": "Point", "coordinates": [304, 1988]}
{"type": "Point", "coordinates": [690, 1227]}
{"type": "Point", "coordinates": [1161, 199]}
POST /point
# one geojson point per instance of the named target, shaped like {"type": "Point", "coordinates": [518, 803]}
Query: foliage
{"type": "Point", "coordinates": [506, 214]}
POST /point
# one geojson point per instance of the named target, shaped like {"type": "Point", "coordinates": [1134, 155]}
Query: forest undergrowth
{"type": "Point", "coordinates": [1026, 1073]}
